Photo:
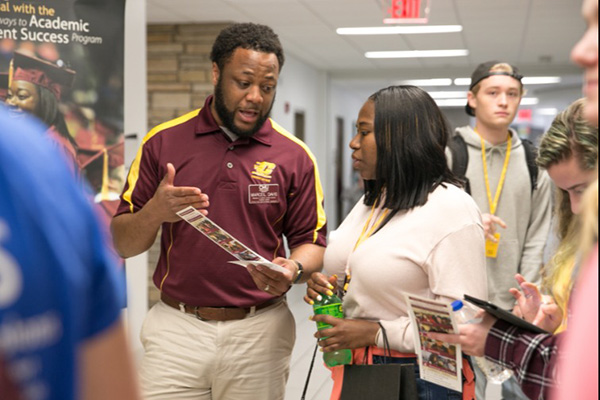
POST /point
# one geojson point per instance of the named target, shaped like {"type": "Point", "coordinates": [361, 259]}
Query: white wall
{"type": "Point", "coordinates": [135, 122]}
{"type": "Point", "coordinates": [345, 103]}
{"type": "Point", "coordinates": [305, 89]}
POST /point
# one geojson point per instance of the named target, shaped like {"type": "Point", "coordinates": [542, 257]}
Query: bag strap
{"type": "Point", "coordinates": [312, 362]}
{"type": "Point", "coordinates": [460, 159]}
{"type": "Point", "coordinates": [387, 352]}
{"type": "Point", "coordinates": [386, 344]}
{"type": "Point", "coordinates": [530, 156]}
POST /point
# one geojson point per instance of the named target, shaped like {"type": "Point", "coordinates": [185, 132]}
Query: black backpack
{"type": "Point", "coordinates": [460, 160]}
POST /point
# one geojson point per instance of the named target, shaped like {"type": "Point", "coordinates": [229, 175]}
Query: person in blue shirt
{"type": "Point", "coordinates": [61, 334]}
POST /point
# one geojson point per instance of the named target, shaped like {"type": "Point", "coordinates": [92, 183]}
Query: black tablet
{"type": "Point", "coordinates": [503, 314]}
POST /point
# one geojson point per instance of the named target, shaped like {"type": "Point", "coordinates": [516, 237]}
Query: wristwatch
{"type": "Point", "coordinates": [299, 273]}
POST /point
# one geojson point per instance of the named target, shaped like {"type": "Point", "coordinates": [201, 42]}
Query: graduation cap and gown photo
{"type": "Point", "coordinates": [35, 86]}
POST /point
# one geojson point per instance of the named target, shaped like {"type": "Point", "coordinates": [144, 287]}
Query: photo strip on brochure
{"type": "Point", "coordinates": [224, 240]}
{"type": "Point", "coordinates": [439, 362]}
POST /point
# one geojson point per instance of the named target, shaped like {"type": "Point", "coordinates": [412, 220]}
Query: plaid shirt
{"type": "Point", "coordinates": [531, 356]}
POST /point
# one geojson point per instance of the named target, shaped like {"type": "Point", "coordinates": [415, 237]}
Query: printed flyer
{"type": "Point", "coordinates": [224, 240]}
{"type": "Point", "coordinates": [439, 362]}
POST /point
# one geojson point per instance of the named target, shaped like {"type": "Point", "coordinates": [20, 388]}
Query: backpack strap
{"type": "Point", "coordinates": [530, 156]}
{"type": "Point", "coordinates": [460, 159]}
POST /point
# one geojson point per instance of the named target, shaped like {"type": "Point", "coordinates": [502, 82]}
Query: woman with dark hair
{"type": "Point", "coordinates": [414, 231]}
{"type": "Point", "coordinates": [35, 88]}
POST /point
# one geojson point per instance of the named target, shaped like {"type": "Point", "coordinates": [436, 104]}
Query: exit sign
{"type": "Point", "coordinates": [525, 114]}
{"type": "Point", "coordinates": [407, 11]}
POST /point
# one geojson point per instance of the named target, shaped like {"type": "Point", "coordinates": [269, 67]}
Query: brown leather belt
{"type": "Point", "coordinates": [218, 313]}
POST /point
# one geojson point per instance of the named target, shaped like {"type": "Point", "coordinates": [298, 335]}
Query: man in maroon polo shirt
{"type": "Point", "coordinates": [222, 331]}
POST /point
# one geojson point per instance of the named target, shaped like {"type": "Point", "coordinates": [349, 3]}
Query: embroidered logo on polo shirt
{"type": "Point", "coordinates": [263, 170]}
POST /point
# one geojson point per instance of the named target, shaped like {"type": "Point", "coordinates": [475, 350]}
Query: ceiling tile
{"type": "Point", "coordinates": [535, 34]}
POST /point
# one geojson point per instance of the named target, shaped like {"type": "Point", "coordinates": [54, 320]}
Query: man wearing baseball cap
{"type": "Point", "coordinates": [514, 198]}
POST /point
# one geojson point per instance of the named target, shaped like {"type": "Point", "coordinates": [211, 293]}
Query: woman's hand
{"type": "Point", "coordinates": [529, 301]}
{"type": "Point", "coordinates": [532, 306]}
{"type": "Point", "coordinates": [550, 316]}
{"type": "Point", "coordinates": [345, 333]}
{"type": "Point", "coordinates": [318, 284]}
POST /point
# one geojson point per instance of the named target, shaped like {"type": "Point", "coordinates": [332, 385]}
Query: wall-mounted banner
{"type": "Point", "coordinates": [62, 61]}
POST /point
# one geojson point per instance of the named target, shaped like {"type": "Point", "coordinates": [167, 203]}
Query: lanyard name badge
{"type": "Point", "coordinates": [491, 247]}
{"type": "Point", "coordinates": [366, 232]}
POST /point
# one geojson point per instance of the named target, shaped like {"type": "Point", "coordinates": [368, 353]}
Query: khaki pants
{"type": "Point", "coordinates": [186, 358]}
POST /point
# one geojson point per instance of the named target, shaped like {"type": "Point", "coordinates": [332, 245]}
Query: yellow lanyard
{"type": "Point", "coordinates": [494, 203]}
{"type": "Point", "coordinates": [367, 231]}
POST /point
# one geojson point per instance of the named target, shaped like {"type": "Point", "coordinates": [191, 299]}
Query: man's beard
{"type": "Point", "coordinates": [227, 117]}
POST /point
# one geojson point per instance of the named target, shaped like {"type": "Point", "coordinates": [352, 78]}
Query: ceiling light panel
{"type": "Point", "coordinates": [417, 53]}
{"type": "Point", "coordinates": [540, 80]}
{"type": "Point", "coordinates": [528, 80]}
{"type": "Point", "coordinates": [399, 30]}
{"type": "Point", "coordinates": [449, 95]}
{"type": "Point", "coordinates": [427, 82]}
{"type": "Point", "coordinates": [525, 101]}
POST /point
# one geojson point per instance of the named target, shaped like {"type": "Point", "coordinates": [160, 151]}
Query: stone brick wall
{"type": "Point", "coordinates": [179, 79]}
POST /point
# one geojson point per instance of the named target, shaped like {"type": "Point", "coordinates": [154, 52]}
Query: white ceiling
{"type": "Point", "coordinates": [535, 35]}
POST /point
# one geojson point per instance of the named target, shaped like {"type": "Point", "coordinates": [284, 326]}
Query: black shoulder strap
{"type": "Point", "coordinates": [460, 159]}
{"type": "Point", "coordinates": [530, 156]}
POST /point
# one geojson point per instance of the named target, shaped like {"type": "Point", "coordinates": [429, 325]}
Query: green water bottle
{"type": "Point", "coordinates": [331, 305]}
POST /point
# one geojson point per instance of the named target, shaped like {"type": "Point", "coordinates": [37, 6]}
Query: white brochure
{"type": "Point", "coordinates": [224, 240]}
{"type": "Point", "coordinates": [439, 362]}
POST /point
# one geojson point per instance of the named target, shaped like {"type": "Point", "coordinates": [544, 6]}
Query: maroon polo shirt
{"type": "Point", "coordinates": [260, 189]}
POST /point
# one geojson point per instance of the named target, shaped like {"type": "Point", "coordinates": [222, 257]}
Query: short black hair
{"type": "Point", "coordinates": [246, 36]}
{"type": "Point", "coordinates": [411, 134]}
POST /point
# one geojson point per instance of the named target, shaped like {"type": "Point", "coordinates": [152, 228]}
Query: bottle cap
{"type": "Point", "coordinates": [457, 305]}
